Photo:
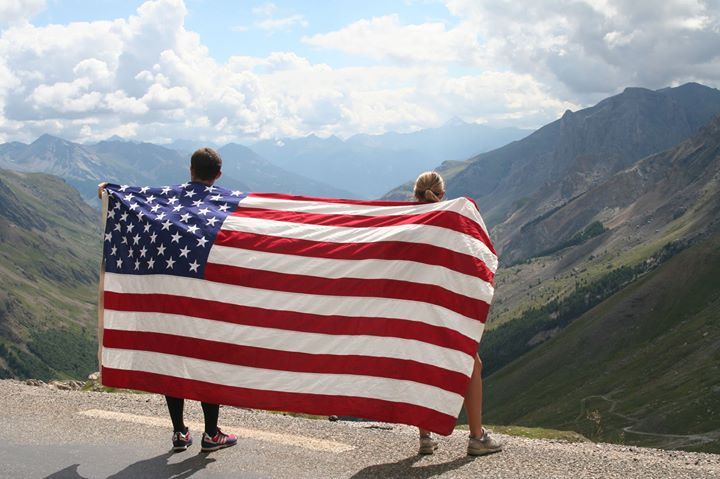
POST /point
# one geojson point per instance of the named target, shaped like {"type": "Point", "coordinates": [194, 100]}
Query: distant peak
{"type": "Point", "coordinates": [233, 146]}
{"type": "Point", "coordinates": [694, 86]}
{"type": "Point", "coordinates": [635, 90]}
{"type": "Point", "coordinates": [46, 139]}
{"type": "Point", "coordinates": [455, 121]}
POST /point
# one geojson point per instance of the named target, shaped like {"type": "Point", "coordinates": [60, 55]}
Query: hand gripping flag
{"type": "Point", "coordinates": [370, 309]}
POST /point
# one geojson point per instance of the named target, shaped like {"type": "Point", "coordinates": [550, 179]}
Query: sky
{"type": "Point", "coordinates": [222, 71]}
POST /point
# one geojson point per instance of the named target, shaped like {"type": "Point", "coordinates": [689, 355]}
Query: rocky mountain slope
{"type": "Point", "coordinates": [607, 223]}
{"type": "Point", "coordinates": [49, 261]}
{"type": "Point", "coordinates": [631, 312]}
{"type": "Point", "coordinates": [566, 158]}
{"type": "Point", "coordinates": [527, 178]}
{"type": "Point", "coordinates": [84, 166]}
{"type": "Point", "coordinates": [642, 367]}
{"type": "Point", "coordinates": [673, 190]}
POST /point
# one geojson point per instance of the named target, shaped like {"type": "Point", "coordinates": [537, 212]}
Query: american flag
{"type": "Point", "coordinates": [370, 309]}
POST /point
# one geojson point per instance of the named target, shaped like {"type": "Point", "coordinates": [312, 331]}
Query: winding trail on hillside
{"type": "Point", "coordinates": [670, 440]}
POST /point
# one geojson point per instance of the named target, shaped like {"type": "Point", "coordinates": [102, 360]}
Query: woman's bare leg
{"type": "Point", "coordinates": [473, 400]}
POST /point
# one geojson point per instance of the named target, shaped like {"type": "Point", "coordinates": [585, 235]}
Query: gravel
{"type": "Point", "coordinates": [31, 414]}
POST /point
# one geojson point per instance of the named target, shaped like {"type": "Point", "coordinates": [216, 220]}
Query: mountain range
{"type": "Point", "coordinates": [119, 161]}
{"type": "Point", "coordinates": [363, 166]}
{"type": "Point", "coordinates": [639, 293]}
{"type": "Point", "coordinates": [527, 178]}
{"type": "Point", "coordinates": [606, 314]}
{"type": "Point", "coordinates": [369, 165]}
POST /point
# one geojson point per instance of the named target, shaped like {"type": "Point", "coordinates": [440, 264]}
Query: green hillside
{"type": "Point", "coordinates": [49, 254]}
{"type": "Point", "coordinates": [642, 367]}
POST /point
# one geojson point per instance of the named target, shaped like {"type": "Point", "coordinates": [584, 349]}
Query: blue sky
{"type": "Point", "coordinates": [227, 27]}
{"type": "Point", "coordinates": [158, 70]}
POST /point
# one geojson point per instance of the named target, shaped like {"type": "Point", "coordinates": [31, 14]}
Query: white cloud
{"type": "Point", "coordinates": [93, 69]}
{"type": "Point", "coordinates": [595, 47]}
{"type": "Point", "coordinates": [508, 63]}
{"type": "Point", "coordinates": [266, 9]}
{"type": "Point", "coordinates": [15, 11]}
{"type": "Point", "coordinates": [66, 97]}
{"type": "Point", "coordinates": [147, 76]}
{"type": "Point", "coordinates": [284, 23]}
{"type": "Point", "coordinates": [271, 22]}
{"type": "Point", "coordinates": [159, 97]}
{"type": "Point", "coordinates": [386, 38]}
{"type": "Point", "coordinates": [580, 49]}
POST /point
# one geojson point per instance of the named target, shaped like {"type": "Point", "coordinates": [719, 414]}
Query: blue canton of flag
{"type": "Point", "coordinates": [166, 230]}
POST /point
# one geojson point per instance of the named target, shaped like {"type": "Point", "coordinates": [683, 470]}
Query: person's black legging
{"type": "Point", "coordinates": [210, 411]}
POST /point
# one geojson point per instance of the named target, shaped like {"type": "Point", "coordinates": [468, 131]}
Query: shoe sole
{"type": "Point", "coordinates": [181, 447]}
{"type": "Point", "coordinates": [216, 448]}
{"type": "Point", "coordinates": [483, 452]}
{"type": "Point", "coordinates": [428, 450]}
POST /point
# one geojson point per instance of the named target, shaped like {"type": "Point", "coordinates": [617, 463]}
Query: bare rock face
{"type": "Point", "coordinates": [70, 385]}
{"type": "Point", "coordinates": [35, 382]}
{"type": "Point", "coordinates": [579, 151]}
{"type": "Point", "coordinates": [65, 385]}
{"type": "Point", "coordinates": [655, 190]}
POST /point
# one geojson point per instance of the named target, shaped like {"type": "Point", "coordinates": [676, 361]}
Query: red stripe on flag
{"type": "Point", "coordinates": [319, 404]}
{"type": "Point", "coordinates": [264, 358]}
{"type": "Point", "coordinates": [443, 219]}
{"type": "Point", "coordinates": [378, 288]}
{"type": "Point", "coordinates": [290, 320]}
{"type": "Point", "coordinates": [397, 250]}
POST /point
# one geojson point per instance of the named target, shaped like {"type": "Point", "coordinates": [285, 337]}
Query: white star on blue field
{"type": "Point", "coordinates": [165, 230]}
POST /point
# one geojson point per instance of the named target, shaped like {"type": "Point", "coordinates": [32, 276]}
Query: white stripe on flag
{"type": "Point", "coordinates": [292, 341]}
{"type": "Point", "coordinates": [299, 302]}
{"type": "Point", "coordinates": [425, 234]}
{"type": "Point", "coordinates": [462, 206]}
{"type": "Point", "coordinates": [411, 271]}
{"type": "Point", "coordinates": [351, 385]}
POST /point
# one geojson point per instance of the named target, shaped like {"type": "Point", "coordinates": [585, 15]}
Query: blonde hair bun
{"type": "Point", "coordinates": [429, 187]}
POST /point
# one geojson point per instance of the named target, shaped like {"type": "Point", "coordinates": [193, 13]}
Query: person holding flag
{"type": "Point", "coordinates": [430, 188]}
{"type": "Point", "coordinates": [205, 170]}
{"type": "Point", "coordinates": [281, 302]}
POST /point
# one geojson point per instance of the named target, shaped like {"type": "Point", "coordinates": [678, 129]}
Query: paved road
{"type": "Point", "coordinates": [71, 434]}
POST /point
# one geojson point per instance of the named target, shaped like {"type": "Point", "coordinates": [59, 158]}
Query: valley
{"type": "Point", "coordinates": [605, 319]}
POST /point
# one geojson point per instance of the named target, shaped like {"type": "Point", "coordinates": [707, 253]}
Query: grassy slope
{"type": "Point", "coordinates": [49, 254]}
{"type": "Point", "coordinates": [647, 359]}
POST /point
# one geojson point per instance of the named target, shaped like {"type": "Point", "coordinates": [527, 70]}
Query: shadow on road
{"type": "Point", "coordinates": [155, 467]}
{"type": "Point", "coordinates": [69, 472]}
{"type": "Point", "coordinates": [404, 468]}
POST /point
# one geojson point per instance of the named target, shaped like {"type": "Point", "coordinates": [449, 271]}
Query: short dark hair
{"type": "Point", "coordinates": [205, 164]}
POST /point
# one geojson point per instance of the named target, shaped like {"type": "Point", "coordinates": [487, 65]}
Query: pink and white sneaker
{"type": "Point", "coordinates": [181, 441]}
{"type": "Point", "coordinates": [219, 441]}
